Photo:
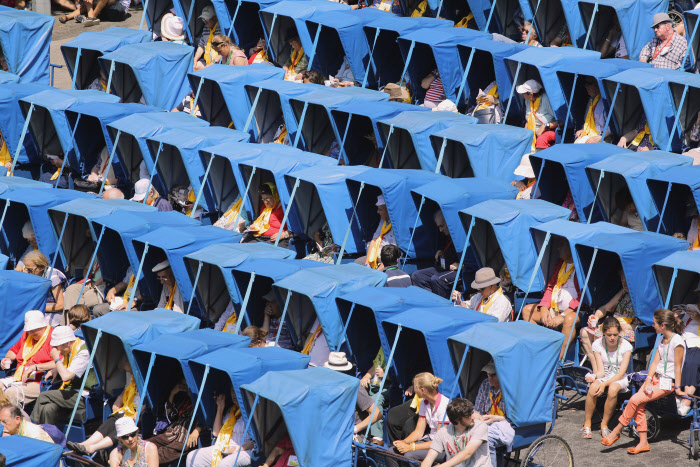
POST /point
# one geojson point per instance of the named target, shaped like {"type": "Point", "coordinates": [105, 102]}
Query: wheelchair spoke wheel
{"type": "Point", "coordinates": [548, 451]}
{"type": "Point", "coordinates": [694, 445]}
{"type": "Point", "coordinates": [653, 426]}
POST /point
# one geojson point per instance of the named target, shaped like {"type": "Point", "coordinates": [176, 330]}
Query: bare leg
{"type": "Point", "coordinates": [66, 5]}
{"type": "Point", "coordinates": [690, 390]}
{"type": "Point", "coordinates": [610, 404]}
{"type": "Point", "coordinates": [105, 443]}
{"type": "Point", "coordinates": [95, 438]}
{"type": "Point", "coordinates": [532, 314]}
{"type": "Point", "coordinates": [588, 350]}
{"type": "Point", "coordinates": [98, 8]}
{"type": "Point", "coordinates": [590, 403]}
{"type": "Point", "coordinates": [198, 66]}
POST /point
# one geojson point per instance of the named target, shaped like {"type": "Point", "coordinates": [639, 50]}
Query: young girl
{"type": "Point", "coordinates": [611, 357]}
{"type": "Point", "coordinates": [664, 377]}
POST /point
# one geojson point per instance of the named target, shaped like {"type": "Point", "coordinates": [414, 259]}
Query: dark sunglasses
{"type": "Point", "coordinates": [217, 44]}
{"type": "Point", "coordinates": [129, 435]}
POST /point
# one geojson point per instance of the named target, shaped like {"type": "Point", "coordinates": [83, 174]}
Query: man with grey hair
{"type": "Point", "coordinates": [668, 48]}
{"type": "Point", "coordinates": [113, 193]}
{"type": "Point", "coordinates": [440, 278]}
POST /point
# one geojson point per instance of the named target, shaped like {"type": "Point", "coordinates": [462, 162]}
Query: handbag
{"type": "Point", "coordinates": [485, 116]}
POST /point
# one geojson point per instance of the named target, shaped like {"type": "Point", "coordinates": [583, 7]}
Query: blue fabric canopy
{"type": "Point", "coordinates": [320, 287]}
{"type": "Point", "coordinates": [528, 395]}
{"type": "Point", "coordinates": [395, 185]}
{"type": "Point", "coordinates": [8, 78]}
{"type": "Point", "coordinates": [686, 266]}
{"type": "Point", "coordinates": [172, 352]}
{"type": "Point", "coordinates": [571, 160]}
{"type": "Point", "coordinates": [505, 20]}
{"type": "Point", "coordinates": [363, 311]}
{"type": "Point", "coordinates": [634, 17]}
{"type": "Point", "coordinates": [81, 53]}
{"type": "Point", "coordinates": [176, 160]}
{"type": "Point", "coordinates": [223, 98]}
{"type": "Point", "coordinates": [631, 171]}
{"type": "Point", "coordinates": [481, 150]}
{"type": "Point", "coordinates": [154, 71]}
{"type": "Point", "coordinates": [451, 196]}
{"type": "Point", "coordinates": [19, 292]}
{"type": "Point", "coordinates": [510, 221]}
{"type": "Point", "coordinates": [354, 122]}
{"type": "Point", "coordinates": [309, 402]}
{"type": "Point", "coordinates": [387, 63]}
{"type": "Point", "coordinates": [422, 345]}
{"type": "Point", "coordinates": [427, 49]}
{"type": "Point", "coordinates": [690, 19]}
{"type": "Point", "coordinates": [173, 243]}
{"type": "Point", "coordinates": [133, 131]}
{"type": "Point", "coordinates": [550, 17]}
{"type": "Point", "coordinates": [25, 39]}
{"type": "Point", "coordinates": [231, 368]}
{"type": "Point", "coordinates": [12, 120]}
{"type": "Point", "coordinates": [282, 21]}
{"type": "Point", "coordinates": [685, 93]}
{"type": "Point", "coordinates": [49, 125]}
{"type": "Point", "coordinates": [124, 330]}
{"type": "Point", "coordinates": [675, 192]}
{"type": "Point", "coordinates": [21, 451]}
{"type": "Point", "coordinates": [216, 287]}
{"type": "Point", "coordinates": [408, 137]}
{"type": "Point", "coordinates": [322, 197]}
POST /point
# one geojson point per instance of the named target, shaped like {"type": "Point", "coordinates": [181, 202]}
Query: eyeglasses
{"type": "Point", "coordinates": [217, 44]}
{"type": "Point", "coordinates": [31, 270]}
{"type": "Point", "coordinates": [129, 435]}
{"type": "Point", "coordinates": [162, 278]}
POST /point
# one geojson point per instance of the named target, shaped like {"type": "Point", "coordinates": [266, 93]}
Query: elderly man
{"type": "Point", "coordinates": [668, 48]}
{"type": "Point", "coordinates": [440, 279]}
{"type": "Point", "coordinates": [153, 198]}
{"type": "Point", "coordinates": [205, 53]}
{"type": "Point", "coordinates": [71, 356]}
{"type": "Point", "coordinates": [14, 424]}
{"type": "Point", "coordinates": [170, 297]}
{"type": "Point", "coordinates": [384, 235]}
{"type": "Point", "coordinates": [112, 193]}
{"type": "Point", "coordinates": [32, 352]}
{"type": "Point", "coordinates": [539, 116]}
{"type": "Point", "coordinates": [490, 299]}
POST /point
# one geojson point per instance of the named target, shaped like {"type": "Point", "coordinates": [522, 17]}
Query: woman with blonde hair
{"type": "Point", "coordinates": [229, 53]}
{"type": "Point", "coordinates": [258, 336]}
{"type": "Point", "coordinates": [431, 415]}
{"type": "Point", "coordinates": [37, 263]}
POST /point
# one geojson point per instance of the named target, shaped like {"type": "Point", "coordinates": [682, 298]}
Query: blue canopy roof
{"type": "Point", "coordinates": [685, 92]}
{"type": "Point", "coordinates": [572, 159]}
{"type": "Point", "coordinates": [8, 78]}
{"type": "Point", "coordinates": [173, 243]}
{"type": "Point", "coordinates": [49, 124]}
{"type": "Point", "coordinates": [87, 47]}
{"type": "Point", "coordinates": [682, 186]}
{"type": "Point", "coordinates": [451, 196]}
{"type": "Point", "coordinates": [409, 144]}
{"type": "Point", "coordinates": [528, 395]}
{"type": "Point", "coordinates": [354, 120]}
{"type": "Point", "coordinates": [686, 264]}
{"type": "Point", "coordinates": [124, 330]}
{"type": "Point", "coordinates": [132, 148]}
{"type": "Point", "coordinates": [690, 18]}
{"type": "Point", "coordinates": [281, 19]}
{"type": "Point", "coordinates": [387, 63]}
{"type": "Point", "coordinates": [235, 367]}
{"type": "Point", "coordinates": [510, 221]}
{"type": "Point", "coordinates": [634, 17]}
{"type": "Point", "coordinates": [631, 171]}
{"type": "Point", "coordinates": [12, 120]}
{"type": "Point", "coordinates": [157, 72]}
{"type": "Point", "coordinates": [321, 286]}
{"type": "Point", "coordinates": [310, 402]}
{"type": "Point", "coordinates": [434, 325]}
{"type": "Point", "coordinates": [504, 19]}
{"type": "Point", "coordinates": [491, 150]}
{"type": "Point", "coordinates": [370, 306]}
{"type": "Point", "coordinates": [395, 185]}
{"type": "Point", "coordinates": [323, 197]}
{"type": "Point", "coordinates": [19, 292]}
{"type": "Point", "coordinates": [21, 451]}
{"type": "Point", "coordinates": [229, 83]}
{"type": "Point", "coordinates": [25, 38]}
{"type": "Point", "coordinates": [551, 17]}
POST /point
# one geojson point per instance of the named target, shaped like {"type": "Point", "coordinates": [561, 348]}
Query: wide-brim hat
{"type": "Point", "coordinates": [338, 361]}
{"type": "Point", "coordinates": [171, 27]}
{"type": "Point", "coordinates": [396, 92]}
{"type": "Point", "coordinates": [525, 168]}
{"type": "Point", "coordinates": [485, 277]}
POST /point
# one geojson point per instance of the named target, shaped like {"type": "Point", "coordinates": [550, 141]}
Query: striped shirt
{"type": "Point", "coordinates": [435, 92]}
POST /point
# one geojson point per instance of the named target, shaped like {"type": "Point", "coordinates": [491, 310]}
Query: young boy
{"type": "Point", "coordinates": [464, 441]}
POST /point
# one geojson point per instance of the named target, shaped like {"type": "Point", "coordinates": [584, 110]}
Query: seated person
{"type": "Point", "coordinates": [539, 116]}
{"type": "Point", "coordinates": [229, 53]}
{"type": "Point", "coordinates": [527, 184]}
{"type": "Point", "coordinates": [114, 302]}
{"type": "Point", "coordinates": [30, 237]}
{"type": "Point", "coordinates": [235, 218]}
{"type": "Point", "coordinates": [113, 193]}
{"type": "Point", "coordinates": [153, 198]}
{"type": "Point", "coordinates": [297, 62]}
{"type": "Point", "coordinates": [272, 322]}
{"type": "Point", "coordinates": [390, 255]}
{"type": "Point", "coordinates": [229, 431]}
{"type": "Point", "coordinates": [205, 53]}
{"type": "Point", "coordinates": [312, 77]}
{"type": "Point", "coordinates": [51, 170]}
{"type": "Point", "coordinates": [440, 278]}
{"type": "Point", "coordinates": [690, 375]}
{"type": "Point", "coordinates": [464, 440]}
{"type": "Point", "coordinates": [37, 264]}
{"type": "Point", "coordinates": [384, 235]}
{"type": "Point", "coordinates": [639, 138]}
{"type": "Point", "coordinates": [435, 93]}
{"type": "Point", "coordinates": [490, 298]}
{"type": "Point", "coordinates": [622, 310]}
{"type": "Point", "coordinates": [258, 53]}
{"type": "Point", "coordinates": [557, 309]}
{"type": "Point", "coordinates": [14, 424]}
{"type": "Point", "coordinates": [611, 358]}
{"type": "Point", "coordinates": [372, 381]}
{"type": "Point", "coordinates": [487, 104]}
{"type": "Point", "coordinates": [258, 337]}
{"type": "Point", "coordinates": [667, 49]}
{"type": "Point", "coordinates": [316, 345]}
{"type": "Point", "coordinates": [563, 38]}
{"type": "Point", "coordinates": [626, 213]}
{"type": "Point", "coordinates": [124, 407]}
{"type": "Point", "coordinates": [528, 31]}
{"type": "Point", "coordinates": [344, 77]}
{"type": "Point", "coordinates": [77, 316]}
{"type": "Point", "coordinates": [396, 94]}
{"type": "Point", "coordinates": [186, 106]}
{"type": "Point", "coordinates": [71, 356]}
{"type": "Point", "coordinates": [89, 12]}
{"type": "Point", "coordinates": [132, 446]}
{"type": "Point", "coordinates": [282, 454]}
{"type": "Point", "coordinates": [102, 170]}
{"type": "Point", "coordinates": [614, 43]}
{"type": "Point", "coordinates": [92, 289]}
{"type": "Point", "coordinates": [172, 28]}
{"type": "Point", "coordinates": [170, 296]}
{"type": "Point", "coordinates": [182, 199]}
{"type": "Point", "coordinates": [32, 353]}
{"type": "Point", "coordinates": [266, 228]}
{"type": "Point", "coordinates": [323, 247]}
{"type": "Point", "coordinates": [595, 115]}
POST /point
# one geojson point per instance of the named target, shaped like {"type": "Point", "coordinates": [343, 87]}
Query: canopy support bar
{"type": "Point", "coordinates": [111, 159]}
{"type": "Point", "coordinates": [196, 96]}
{"type": "Point", "coordinates": [314, 45]}
{"type": "Point", "coordinates": [109, 78]}
{"type": "Point", "coordinates": [137, 277]}
{"type": "Point", "coordinates": [151, 361]}
{"type": "Point", "coordinates": [590, 26]}
{"type": "Point", "coordinates": [610, 111]}
{"type": "Point", "coordinates": [371, 57]}
{"type": "Point", "coordinates": [233, 21]}
{"type": "Point", "coordinates": [568, 110]}
{"type": "Point", "coordinates": [76, 67]}
{"type": "Point", "coordinates": [343, 154]}
{"type": "Point", "coordinates": [247, 423]}
{"type": "Point", "coordinates": [386, 146]}
{"type": "Point", "coordinates": [155, 170]}
{"type": "Point", "coordinates": [386, 373]}
{"type": "Point", "coordinates": [58, 245]}
{"type": "Point", "coordinates": [408, 61]}
{"type": "Point", "coordinates": [194, 286]}
{"type": "Point", "coordinates": [464, 253]}
{"type": "Point", "coordinates": [597, 188]}
{"type": "Point", "coordinates": [286, 212]}
{"type": "Point", "coordinates": [663, 209]}
{"type": "Point", "coordinates": [352, 218]}
{"type": "Point", "coordinates": [83, 381]}
{"type": "Point", "coordinates": [347, 323]}
{"type": "Point", "coordinates": [465, 75]}
{"type": "Point", "coordinates": [201, 187]}
{"type": "Point", "coordinates": [245, 195]}
{"type": "Point", "coordinates": [194, 410]}
{"type": "Point", "coordinates": [300, 126]}
{"type": "Point", "coordinates": [441, 155]}
{"type": "Point", "coordinates": [21, 138]}
{"type": "Point", "coordinates": [540, 256]}
{"type": "Point", "coordinates": [578, 308]}
{"type": "Point", "coordinates": [92, 261]}
{"type": "Point", "coordinates": [678, 116]}
{"type": "Point", "coordinates": [244, 307]}
{"type": "Point", "coordinates": [415, 224]}
{"type": "Point", "coordinates": [249, 119]}
{"type": "Point", "coordinates": [284, 314]}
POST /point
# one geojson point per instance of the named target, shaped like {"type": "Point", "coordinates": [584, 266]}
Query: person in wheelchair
{"type": "Point", "coordinates": [690, 376]}
{"type": "Point", "coordinates": [611, 357]}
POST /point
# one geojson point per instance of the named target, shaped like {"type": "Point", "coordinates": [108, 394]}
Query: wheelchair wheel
{"type": "Point", "coordinates": [548, 451]}
{"type": "Point", "coordinates": [653, 426]}
{"type": "Point", "coordinates": [694, 445]}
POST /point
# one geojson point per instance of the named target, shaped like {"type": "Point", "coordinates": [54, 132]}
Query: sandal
{"type": "Point", "coordinates": [75, 447]}
{"type": "Point", "coordinates": [604, 431]}
{"type": "Point", "coordinates": [609, 442]}
{"type": "Point", "coordinates": [62, 19]}
{"type": "Point", "coordinates": [586, 433]}
{"type": "Point", "coordinates": [636, 450]}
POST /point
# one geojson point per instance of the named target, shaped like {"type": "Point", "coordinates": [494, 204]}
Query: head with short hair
{"type": "Point", "coordinates": [312, 76]}
{"type": "Point", "coordinates": [426, 383]}
{"type": "Point", "coordinates": [113, 193]}
{"type": "Point", "coordinates": [10, 418]}
{"type": "Point", "coordinates": [440, 222]}
{"type": "Point", "coordinates": [35, 262]}
{"type": "Point", "coordinates": [459, 409]}
{"type": "Point", "coordinates": [390, 255]}
{"type": "Point", "coordinates": [258, 337]}
{"type": "Point", "coordinates": [78, 315]}
{"type": "Point", "coordinates": [527, 26]}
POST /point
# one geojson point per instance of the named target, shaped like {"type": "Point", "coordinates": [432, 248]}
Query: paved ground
{"type": "Point", "coordinates": [670, 450]}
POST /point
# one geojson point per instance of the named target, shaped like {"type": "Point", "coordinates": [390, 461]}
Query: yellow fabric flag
{"type": "Point", "coordinates": [589, 127]}
{"type": "Point", "coordinates": [74, 349]}
{"type": "Point", "coordinates": [375, 246]}
{"type": "Point", "coordinates": [531, 123]}
{"type": "Point", "coordinates": [224, 436]}
{"type": "Point", "coordinates": [210, 55]}
{"type": "Point", "coordinates": [128, 405]}
{"type": "Point", "coordinates": [562, 277]}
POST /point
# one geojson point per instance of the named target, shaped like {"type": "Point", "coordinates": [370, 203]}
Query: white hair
{"type": "Point", "coordinates": [28, 230]}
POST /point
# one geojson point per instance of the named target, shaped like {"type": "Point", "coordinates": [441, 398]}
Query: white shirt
{"type": "Point", "coordinates": [500, 308]}
{"type": "Point", "coordinates": [178, 304]}
{"type": "Point", "coordinates": [612, 360]}
{"type": "Point", "coordinates": [667, 362]}
{"type": "Point", "coordinates": [567, 292]}
{"type": "Point", "coordinates": [388, 239]}
{"type": "Point", "coordinates": [691, 333]}
{"type": "Point", "coordinates": [434, 415]}
{"type": "Point", "coordinates": [79, 363]}
{"type": "Point", "coordinates": [319, 350]}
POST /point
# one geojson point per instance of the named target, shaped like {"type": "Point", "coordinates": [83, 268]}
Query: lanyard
{"type": "Point", "coordinates": [465, 438]}
{"type": "Point", "coordinates": [616, 368]}
{"type": "Point", "coordinates": [657, 51]}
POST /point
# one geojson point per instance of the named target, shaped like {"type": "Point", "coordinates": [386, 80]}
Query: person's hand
{"type": "Point", "coordinates": [592, 321]}
{"type": "Point", "coordinates": [284, 234]}
{"type": "Point", "coordinates": [599, 390]}
{"type": "Point", "coordinates": [487, 99]}
{"type": "Point", "coordinates": [489, 419]}
{"type": "Point", "coordinates": [6, 363]}
{"type": "Point", "coordinates": [28, 371]}
{"type": "Point", "coordinates": [454, 266]}
{"type": "Point", "coordinates": [409, 391]}
{"type": "Point", "coordinates": [347, 84]}
{"type": "Point", "coordinates": [123, 306]}
{"type": "Point", "coordinates": [248, 445]}
{"type": "Point", "coordinates": [623, 142]}
{"type": "Point", "coordinates": [379, 371]}
{"type": "Point", "coordinates": [298, 76]}
{"type": "Point", "coordinates": [192, 439]}
{"type": "Point", "coordinates": [518, 184]}
{"type": "Point", "coordinates": [546, 318]}
{"type": "Point", "coordinates": [437, 255]}
{"type": "Point", "coordinates": [457, 297]}
{"type": "Point", "coordinates": [111, 295]}
{"type": "Point", "coordinates": [220, 400]}
{"type": "Point", "coordinates": [556, 321]}
{"type": "Point", "coordinates": [48, 375]}
{"type": "Point", "coordinates": [578, 133]}
{"type": "Point", "coordinates": [593, 139]}
{"type": "Point", "coordinates": [680, 392]}
{"type": "Point", "coordinates": [241, 226]}
{"type": "Point", "coordinates": [402, 447]}
{"type": "Point", "coordinates": [364, 382]}
{"type": "Point", "coordinates": [589, 378]}
{"type": "Point", "coordinates": [648, 388]}
{"type": "Point", "coordinates": [476, 416]}
{"type": "Point", "coordinates": [55, 354]}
